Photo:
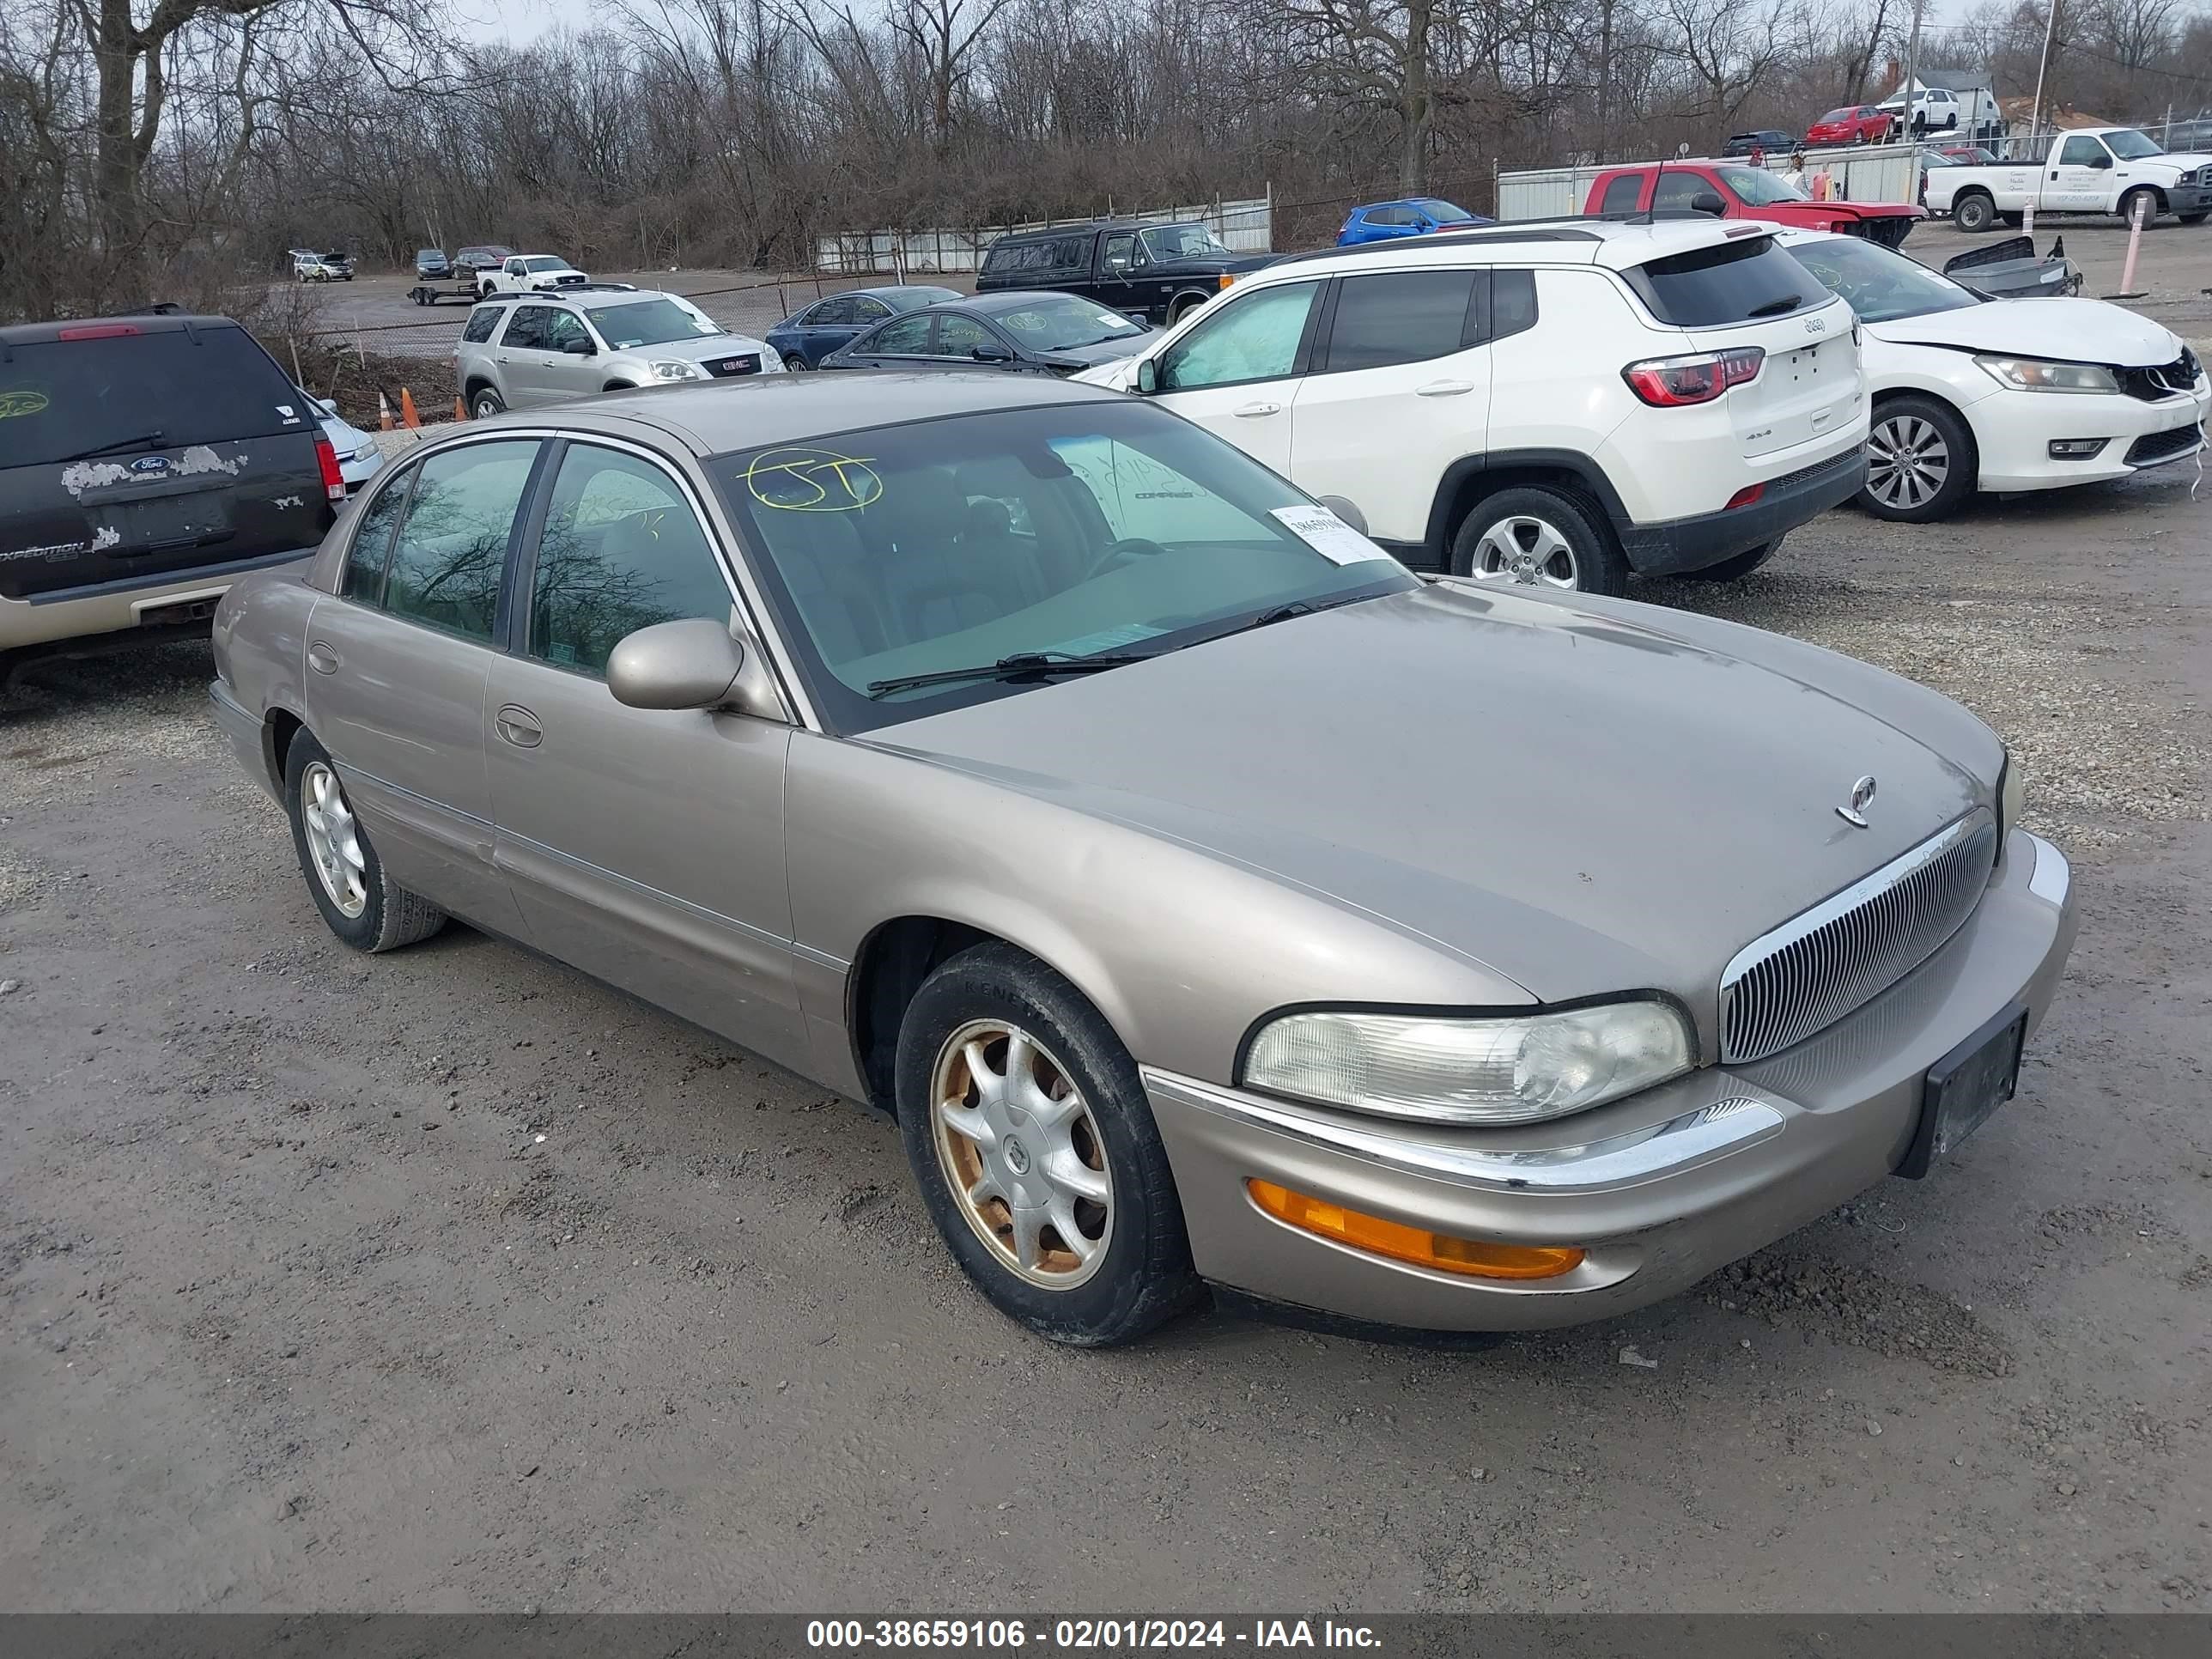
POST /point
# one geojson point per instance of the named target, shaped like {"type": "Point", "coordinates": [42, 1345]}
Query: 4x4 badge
{"type": "Point", "coordinates": [1862, 792]}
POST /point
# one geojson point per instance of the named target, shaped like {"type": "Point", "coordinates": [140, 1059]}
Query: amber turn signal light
{"type": "Point", "coordinates": [1473, 1257]}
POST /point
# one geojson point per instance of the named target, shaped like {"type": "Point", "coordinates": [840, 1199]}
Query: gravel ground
{"type": "Point", "coordinates": [450, 1280]}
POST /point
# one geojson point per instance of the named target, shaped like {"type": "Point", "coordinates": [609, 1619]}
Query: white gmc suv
{"type": "Point", "coordinates": [1557, 403]}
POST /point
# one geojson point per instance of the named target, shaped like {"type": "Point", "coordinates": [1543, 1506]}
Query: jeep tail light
{"type": "Point", "coordinates": [333, 480]}
{"type": "Point", "coordinates": [1673, 382]}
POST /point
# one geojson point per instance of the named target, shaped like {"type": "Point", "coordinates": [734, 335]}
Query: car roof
{"type": "Point", "coordinates": [1614, 243]}
{"type": "Point", "coordinates": [896, 288]}
{"type": "Point", "coordinates": [715, 419]}
{"type": "Point", "coordinates": [1086, 227]}
{"type": "Point", "coordinates": [1013, 299]}
{"type": "Point", "coordinates": [142, 322]}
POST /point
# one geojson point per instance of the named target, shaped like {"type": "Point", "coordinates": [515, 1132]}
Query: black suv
{"type": "Point", "coordinates": [146, 462]}
{"type": "Point", "coordinates": [1158, 272]}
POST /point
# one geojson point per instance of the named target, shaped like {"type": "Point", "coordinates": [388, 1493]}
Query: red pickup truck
{"type": "Point", "coordinates": [1730, 189]}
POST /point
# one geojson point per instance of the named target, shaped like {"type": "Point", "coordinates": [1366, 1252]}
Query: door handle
{"type": "Point", "coordinates": [519, 726]}
{"type": "Point", "coordinates": [1444, 388]}
{"type": "Point", "coordinates": [322, 659]}
{"type": "Point", "coordinates": [1251, 411]}
{"type": "Point", "coordinates": [505, 359]}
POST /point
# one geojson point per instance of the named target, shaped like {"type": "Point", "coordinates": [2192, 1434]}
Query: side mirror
{"type": "Point", "coordinates": [1148, 376]}
{"type": "Point", "coordinates": [990, 351]}
{"type": "Point", "coordinates": [1706, 201]}
{"type": "Point", "coordinates": [2100, 160]}
{"type": "Point", "coordinates": [580, 349]}
{"type": "Point", "coordinates": [692, 664]}
{"type": "Point", "coordinates": [1345, 510]}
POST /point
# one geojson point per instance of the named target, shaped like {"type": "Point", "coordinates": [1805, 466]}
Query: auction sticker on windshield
{"type": "Point", "coordinates": [1328, 535]}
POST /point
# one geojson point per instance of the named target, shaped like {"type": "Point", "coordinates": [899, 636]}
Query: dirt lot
{"type": "Point", "coordinates": [447, 1280]}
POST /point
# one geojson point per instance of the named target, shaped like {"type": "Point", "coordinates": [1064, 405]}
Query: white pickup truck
{"type": "Point", "coordinates": [2097, 170]}
{"type": "Point", "coordinates": [525, 273]}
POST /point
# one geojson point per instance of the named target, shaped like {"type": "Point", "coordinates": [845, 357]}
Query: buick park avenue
{"type": "Point", "coordinates": [1212, 902]}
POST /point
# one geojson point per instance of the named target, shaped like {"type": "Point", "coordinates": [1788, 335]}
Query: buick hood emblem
{"type": "Point", "coordinates": [1862, 792]}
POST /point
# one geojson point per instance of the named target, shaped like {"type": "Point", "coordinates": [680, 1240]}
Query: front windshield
{"type": "Point", "coordinates": [1077, 529]}
{"type": "Point", "coordinates": [1756, 187]}
{"type": "Point", "coordinates": [1061, 322]}
{"type": "Point", "coordinates": [1168, 243]}
{"type": "Point", "coordinates": [649, 322]}
{"type": "Point", "coordinates": [2130, 145]}
{"type": "Point", "coordinates": [1881, 286]}
{"type": "Point", "coordinates": [545, 262]}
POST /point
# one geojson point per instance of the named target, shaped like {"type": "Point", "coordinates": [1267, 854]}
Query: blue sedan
{"type": "Point", "coordinates": [1382, 221]}
{"type": "Point", "coordinates": [813, 331]}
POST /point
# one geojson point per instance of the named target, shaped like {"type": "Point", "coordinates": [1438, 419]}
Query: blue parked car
{"type": "Point", "coordinates": [1381, 221]}
{"type": "Point", "coordinates": [813, 331]}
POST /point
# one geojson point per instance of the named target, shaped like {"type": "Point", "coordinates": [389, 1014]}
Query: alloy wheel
{"type": "Point", "coordinates": [1021, 1153]}
{"type": "Point", "coordinates": [1908, 463]}
{"type": "Point", "coordinates": [333, 839]}
{"type": "Point", "coordinates": [1527, 550]}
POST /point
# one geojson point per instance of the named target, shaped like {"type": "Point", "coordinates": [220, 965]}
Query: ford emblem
{"type": "Point", "coordinates": [151, 464]}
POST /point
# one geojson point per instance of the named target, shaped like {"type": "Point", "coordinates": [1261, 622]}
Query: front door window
{"type": "Point", "coordinates": [1254, 338]}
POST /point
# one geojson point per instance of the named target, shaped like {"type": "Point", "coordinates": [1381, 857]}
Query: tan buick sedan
{"type": "Point", "coordinates": [1212, 900]}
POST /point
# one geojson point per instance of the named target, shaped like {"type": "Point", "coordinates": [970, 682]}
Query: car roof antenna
{"type": "Point", "coordinates": [1649, 216]}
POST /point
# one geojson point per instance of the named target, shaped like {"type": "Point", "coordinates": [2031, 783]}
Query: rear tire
{"type": "Point", "coordinates": [484, 402]}
{"type": "Point", "coordinates": [362, 905]}
{"type": "Point", "coordinates": [1973, 213]}
{"type": "Point", "coordinates": [1922, 463]}
{"type": "Point", "coordinates": [1012, 1085]}
{"type": "Point", "coordinates": [1735, 570]}
{"type": "Point", "coordinates": [1536, 537]}
{"type": "Point", "coordinates": [795, 364]}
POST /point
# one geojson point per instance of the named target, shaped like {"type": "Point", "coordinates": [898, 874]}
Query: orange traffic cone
{"type": "Point", "coordinates": [408, 419]}
{"type": "Point", "coordinates": [460, 408]}
{"type": "Point", "coordinates": [383, 411]}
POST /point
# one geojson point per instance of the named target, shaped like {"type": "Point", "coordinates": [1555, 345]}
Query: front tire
{"type": "Point", "coordinates": [363, 906]}
{"type": "Point", "coordinates": [1035, 1153]}
{"type": "Point", "coordinates": [1538, 537]}
{"type": "Point", "coordinates": [1922, 463]}
{"type": "Point", "coordinates": [2148, 199]}
{"type": "Point", "coordinates": [1974, 213]}
{"type": "Point", "coordinates": [484, 402]}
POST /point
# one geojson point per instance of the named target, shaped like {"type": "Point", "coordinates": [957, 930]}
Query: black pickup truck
{"type": "Point", "coordinates": [1157, 272]}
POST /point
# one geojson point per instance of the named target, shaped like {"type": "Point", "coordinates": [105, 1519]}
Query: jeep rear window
{"type": "Point", "coordinates": [1738, 282]}
{"type": "Point", "coordinates": [60, 399]}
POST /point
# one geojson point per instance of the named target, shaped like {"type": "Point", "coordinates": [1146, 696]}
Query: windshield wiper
{"type": "Point", "coordinates": [153, 437]}
{"type": "Point", "coordinates": [1011, 668]}
{"type": "Point", "coordinates": [1781, 307]}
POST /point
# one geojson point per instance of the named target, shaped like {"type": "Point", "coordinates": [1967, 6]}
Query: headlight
{"type": "Point", "coordinates": [1439, 1069]}
{"type": "Point", "coordinates": [670, 368]}
{"type": "Point", "coordinates": [2036, 374]}
{"type": "Point", "coordinates": [2012, 796]}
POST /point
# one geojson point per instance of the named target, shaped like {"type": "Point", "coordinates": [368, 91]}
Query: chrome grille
{"type": "Point", "coordinates": [1845, 952]}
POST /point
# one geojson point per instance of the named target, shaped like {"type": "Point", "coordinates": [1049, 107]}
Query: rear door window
{"type": "Point", "coordinates": [371, 547]}
{"type": "Point", "coordinates": [909, 336]}
{"type": "Point", "coordinates": [451, 548]}
{"type": "Point", "coordinates": [1624, 194]}
{"type": "Point", "coordinates": [1401, 317]}
{"type": "Point", "coordinates": [1737, 282]}
{"type": "Point", "coordinates": [526, 330]}
{"type": "Point", "coordinates": [63, 399]}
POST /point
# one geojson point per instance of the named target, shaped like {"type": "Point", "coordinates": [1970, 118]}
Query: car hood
{"type": "Point", "coordinates": [2078, 331]}
{"type": "Point", "coordinates": [1103, 351]}
{"type": "Point", "coordinates": [2184, 160]}
{"type": "Point", "coordinates": [704, 348]}
{"type": "Point", "coordinates": [1584, 798]}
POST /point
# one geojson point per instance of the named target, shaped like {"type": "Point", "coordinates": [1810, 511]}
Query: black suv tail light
{"type": "Point", "coordinates": [333, 480]}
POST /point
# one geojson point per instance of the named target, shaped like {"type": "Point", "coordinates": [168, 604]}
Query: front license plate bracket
{"type": "Point", "coordinates": [1965, 1087]}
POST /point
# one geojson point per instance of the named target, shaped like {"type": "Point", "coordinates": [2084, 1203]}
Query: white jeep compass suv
{"type": "Point", "coordinates": [1557, 403]}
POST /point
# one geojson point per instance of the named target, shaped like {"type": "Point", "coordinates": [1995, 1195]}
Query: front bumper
{"type": "Point", "coordinates": [1692, 543]}
{"type": "Point", "coordinates": [2014, 431]}
{"type": "Point", "coordinates": [1660, 1190]}
{"type": "Point", "coordinates": [2189, 198]}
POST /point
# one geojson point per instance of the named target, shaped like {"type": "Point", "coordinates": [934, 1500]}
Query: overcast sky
{"type": "Point", "coordinates": [525, 20]}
